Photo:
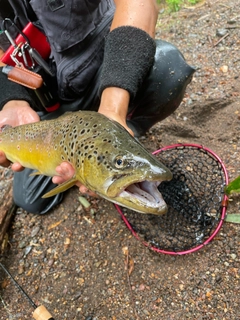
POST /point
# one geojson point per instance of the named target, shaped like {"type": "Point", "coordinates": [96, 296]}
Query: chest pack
{"type": "Point", "coordinates": [75, 30]}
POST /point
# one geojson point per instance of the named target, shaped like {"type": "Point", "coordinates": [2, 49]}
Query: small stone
{"type": "Point", "coordinates": [146, 312]}
{"type": "Point", "coordinates": [21, 269]}
{"type": "Point", "coordinates": [28, 250]}
{"type": "Point", "coordinates": [233, 256]}
{"type": "Point", "coordinates": [221, 32]}
{"type": "Point", "coordinates": [22, 244]}
{"type": "Point", "coordinates": [224, 69]}
{"type": "Point", "coordinates": [35, 231]}
{"type": "Point", "coordinates": [50, 262]}
{"type": "Point", "coordinates": [141, 287]}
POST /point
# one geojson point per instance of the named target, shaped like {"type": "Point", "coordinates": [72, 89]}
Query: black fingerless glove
{"type": "Point", "coordinates": [13, 91]}
{"type": "Point", "coordinates": [128, 56]}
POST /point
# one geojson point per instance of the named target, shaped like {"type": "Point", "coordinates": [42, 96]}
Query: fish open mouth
{"type": "Point", "coordinates": [146, 193]}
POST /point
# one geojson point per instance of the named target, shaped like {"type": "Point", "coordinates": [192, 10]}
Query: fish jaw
{"type": "Point", "coordinates": [139, 192]}
{"type": "Point", "coordinates": [143, 197]}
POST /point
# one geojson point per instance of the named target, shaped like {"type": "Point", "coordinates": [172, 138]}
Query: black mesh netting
{"type": "Point", "coordinates": [194, 197]}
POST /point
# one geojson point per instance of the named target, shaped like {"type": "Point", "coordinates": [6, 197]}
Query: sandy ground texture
{"type": "Point", "coordinates": [85, 264]}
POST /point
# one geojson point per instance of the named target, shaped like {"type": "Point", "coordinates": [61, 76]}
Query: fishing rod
{"type": "Point", "coordinates": [40, 312]}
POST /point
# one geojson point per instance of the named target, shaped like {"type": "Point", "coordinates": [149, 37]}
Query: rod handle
{"type": "Point", "coordinates": [41, 313]}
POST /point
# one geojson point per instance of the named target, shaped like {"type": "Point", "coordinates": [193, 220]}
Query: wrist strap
{"type": "Point", "coordinates": [128, 56]}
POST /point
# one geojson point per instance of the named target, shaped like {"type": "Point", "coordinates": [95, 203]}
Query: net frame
{"type": "Point", "coordinates": [223, 204]}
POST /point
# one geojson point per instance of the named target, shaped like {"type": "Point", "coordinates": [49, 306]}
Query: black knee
{"type": "Point", "coordinates": [28, 192]}
{"type": "Point", "coordinates": [163, 88]}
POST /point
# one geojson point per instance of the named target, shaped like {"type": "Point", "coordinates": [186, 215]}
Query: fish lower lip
{"type": "Point", "coordinates": [147, 192]}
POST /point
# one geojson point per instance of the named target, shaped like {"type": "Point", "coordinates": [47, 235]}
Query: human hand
{"type": "Point", "coordinates": [114, 105]}
{"type": "Point", "coordinates": [15, 113]}
{"type": "Point", "coordinates": [65, 172]}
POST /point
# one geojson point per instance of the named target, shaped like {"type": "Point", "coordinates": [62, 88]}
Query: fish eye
{"type": "Point", "coordinates": [119, 162]}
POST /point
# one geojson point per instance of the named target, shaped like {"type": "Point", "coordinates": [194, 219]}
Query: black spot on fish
{"type": "Point", "coordinates": [100, 159]}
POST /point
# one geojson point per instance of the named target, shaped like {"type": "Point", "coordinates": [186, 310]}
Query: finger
{"type": "Point", "coordinates": [85, 190]}
{"type": "Point", "coordinates": [17, 167]}
{"type": "Point", "coordinates": [58, 180]}
{"type": "Point", "coordinates": [4, 162]}
{"type": "Point", "coordinates": [65, 170]}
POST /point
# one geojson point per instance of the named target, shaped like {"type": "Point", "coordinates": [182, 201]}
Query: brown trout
{"type": "Point", "coordinates": [106, 158]}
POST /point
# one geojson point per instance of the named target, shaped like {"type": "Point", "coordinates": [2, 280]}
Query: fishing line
{"type": "Point", "coordinates": [196, 202]}
{"type": "Point", "coordinates": [40, 312]}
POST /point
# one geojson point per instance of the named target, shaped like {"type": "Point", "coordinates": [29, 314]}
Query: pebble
{"type": "Point", "coordinates": [233, 256]}
{"type": "Point", "coordinates": [224, 69]}
{"type": "Point", "coordinates": [22, 244]}
{"type": "Point", "coordinates": [35, 231]}
{"type": "Point", "coordinates": [221, 32]}
{"type": "Point", "coordinates": [27, 250]}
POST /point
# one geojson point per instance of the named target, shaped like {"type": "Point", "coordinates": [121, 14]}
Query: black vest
{"type": "Point", "coordinates": [76, 30]}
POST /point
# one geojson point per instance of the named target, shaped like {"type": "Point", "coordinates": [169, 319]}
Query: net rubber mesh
{"type": "Point", "coordinates": [194, 197]}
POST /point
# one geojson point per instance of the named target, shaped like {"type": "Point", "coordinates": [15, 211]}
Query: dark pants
{"type": "Point", "coordinates": [159, 96]}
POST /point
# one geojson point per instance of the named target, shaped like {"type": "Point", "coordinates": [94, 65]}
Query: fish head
{"type": "Point", "coordinates": [121, 170]}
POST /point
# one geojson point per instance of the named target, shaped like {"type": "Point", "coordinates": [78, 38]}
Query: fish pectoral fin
{"type": "Point", "coordinates": [60, 188]}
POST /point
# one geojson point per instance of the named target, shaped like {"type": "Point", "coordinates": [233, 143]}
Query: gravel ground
{"type": "Point", "coordinates": [85, 264]}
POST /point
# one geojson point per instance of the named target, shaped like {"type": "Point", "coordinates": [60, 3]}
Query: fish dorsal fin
{"type": "Point", "coordinates": [61, 188]}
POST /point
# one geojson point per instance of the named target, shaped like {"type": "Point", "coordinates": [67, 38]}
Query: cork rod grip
{"type": "Point", "coordinates": [41, 313]}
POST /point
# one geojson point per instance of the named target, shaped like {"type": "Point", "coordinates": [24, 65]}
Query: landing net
{"type": "Point", "coordinates": [195, 199]}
